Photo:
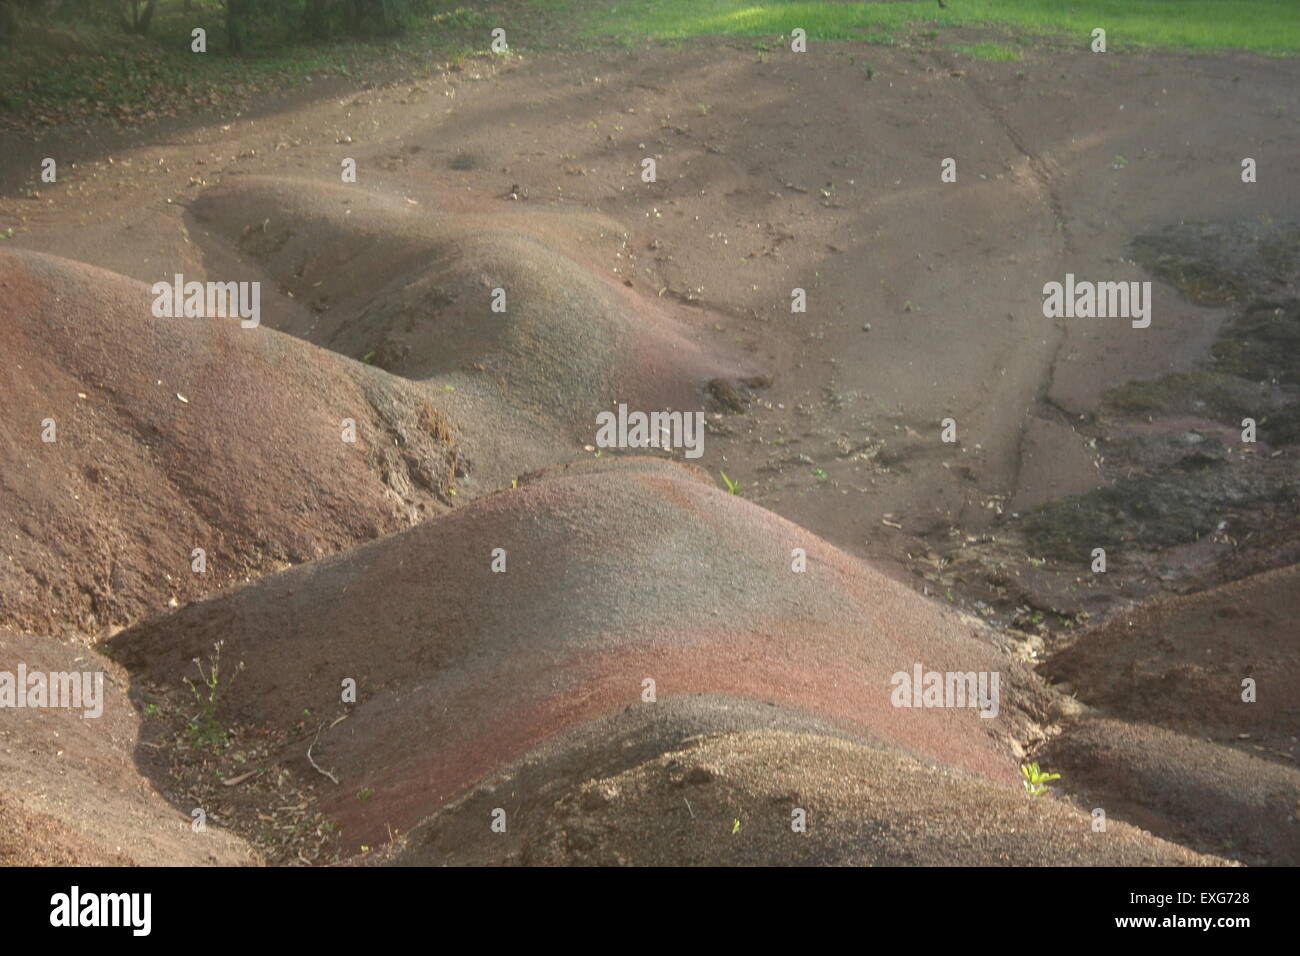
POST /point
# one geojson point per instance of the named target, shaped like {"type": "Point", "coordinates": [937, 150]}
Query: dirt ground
{"type": "Point", "coordinates": [924, 303]}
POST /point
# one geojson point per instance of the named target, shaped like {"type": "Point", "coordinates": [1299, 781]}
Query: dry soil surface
{"type": "Point", "coordinates": [524, 691]}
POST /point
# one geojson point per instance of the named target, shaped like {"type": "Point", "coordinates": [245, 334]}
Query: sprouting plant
{"type": "Point", "coordinates": [203, 727]}
{"type": "Point", "coordinates": [733, 487]}
{"type": "Point", "coordinates": [364, 796]}
{"type": "Point", "coordinates": [820, 474]}
{"type": "Point", "coordinates": [1036, 781]}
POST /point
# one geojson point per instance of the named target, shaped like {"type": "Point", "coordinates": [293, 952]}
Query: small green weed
{"type": "Point", "coordinates": [1036, 781]}
{"type": "Point", "coordinates": [203, 728]}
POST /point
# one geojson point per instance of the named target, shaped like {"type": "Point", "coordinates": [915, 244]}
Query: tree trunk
{"type": "Point", "coordinates": [142, 25]}
{"type": "Point", "coordinates": [235, 10]}
{"type": "Point", "coordinates": [8, 24]}
{"type": "Point", "coordinates": [314, 18]}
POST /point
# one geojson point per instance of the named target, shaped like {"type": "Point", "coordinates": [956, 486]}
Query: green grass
{"type": "Point", "coordinates": [70, 68]}
{"type": "Point", "coordinates": [1265, 26]}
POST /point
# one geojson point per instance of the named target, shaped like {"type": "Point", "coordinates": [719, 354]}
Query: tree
{"type": "Point", "coordinates": [139, 20]}
{"type": "Point", "coordinates": [314, 18]}
{"type": "Point", "coordinates": [236, 22]}
{"type": "Point", "coordinates": [318, 19]}
{"type": "Point", "coordinates": [9, 23]}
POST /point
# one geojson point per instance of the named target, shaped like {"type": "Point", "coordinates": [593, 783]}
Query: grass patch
{"type": "Point", "coordinates": [1255, 359]}
{"type": "Point", "coordinates": [1222, 395]}
{"type": "Point", "coordinates": [1264, 26]}
{"type": "Point", "coordinates": [1222, 263]}
{"type": "Point", "coordinates": [72, 66]}
{"type": "Point", "coordinates": [1262, 344]}
{"type": "Point", "coordinates": [1147, 512]}
{"type": "Point", "coordinates": [1254, 363]}
{"type": "Point", "coordinates": [1282, 427]}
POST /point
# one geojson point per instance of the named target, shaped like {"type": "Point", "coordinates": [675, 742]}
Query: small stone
{"type": "Point", "coordinates": [699, 775]}
{"type": "Point", "coordinates": [725, 394]}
